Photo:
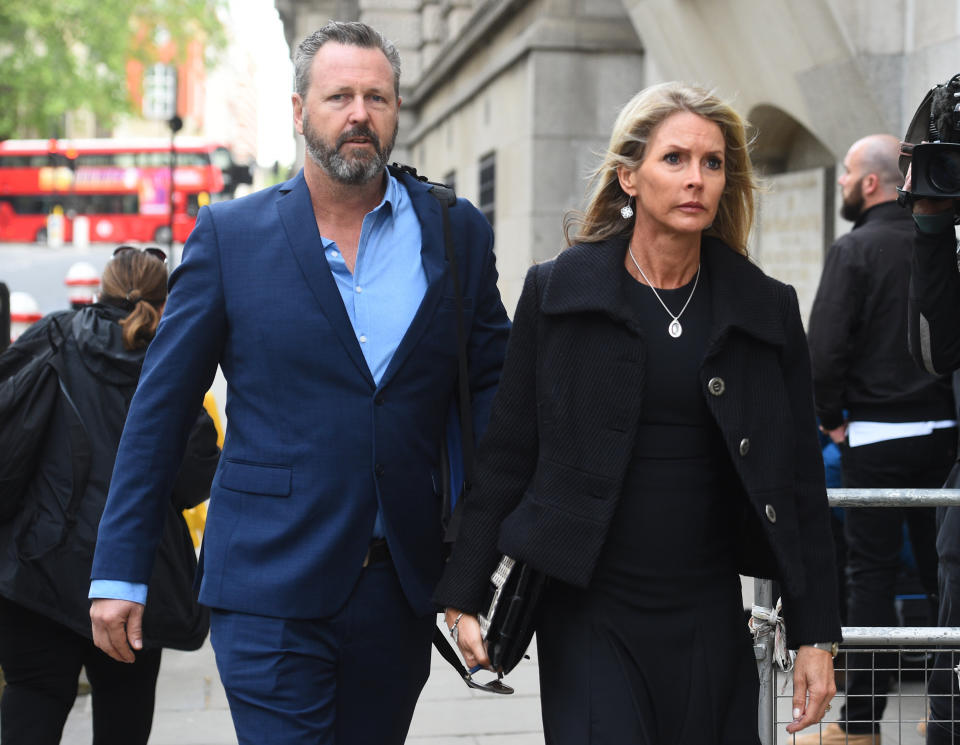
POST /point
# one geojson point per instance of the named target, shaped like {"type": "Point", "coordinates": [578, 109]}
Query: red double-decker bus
{"type": "Point", "coordinates": [122, 186]}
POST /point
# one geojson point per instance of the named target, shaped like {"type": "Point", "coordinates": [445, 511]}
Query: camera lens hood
{"type": "Point", "coordinates": [936, 171]}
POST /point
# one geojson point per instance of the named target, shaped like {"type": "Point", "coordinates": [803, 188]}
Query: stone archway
{"type": "Point", "coordinates": [782, 144]}
{"type": "Point", "coordinates": [795, 216]}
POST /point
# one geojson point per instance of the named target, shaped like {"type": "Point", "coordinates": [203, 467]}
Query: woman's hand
{"type": "Point", "coordinates": [468, 637]}
{"type": "Point", "coordinates": [813, 687]}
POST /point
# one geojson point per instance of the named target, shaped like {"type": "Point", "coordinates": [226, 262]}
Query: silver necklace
{"type": "Point", "coordinates": [673, 328]}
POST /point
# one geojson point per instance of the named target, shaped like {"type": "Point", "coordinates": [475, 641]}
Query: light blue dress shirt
{"type": "Point", "coordinates": [387, 284]}
{"type": "Point", "coordinates": [381, 297]}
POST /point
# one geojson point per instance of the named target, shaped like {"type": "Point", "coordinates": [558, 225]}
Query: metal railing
{"type": "Point", "coordinates": [870, 640]}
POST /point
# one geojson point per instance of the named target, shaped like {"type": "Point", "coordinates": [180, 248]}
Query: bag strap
{"type": "Point", "coordinates": [446, 196]}
{"type": "Point", "coordinates": [447, 199]}
{"type": "Point", "coordinates": [81, 448]}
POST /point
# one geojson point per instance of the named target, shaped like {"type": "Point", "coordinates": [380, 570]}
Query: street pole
{"type": "Point", "coordinates": [4, 317]}
{"type": "Point", "coordinates": [176, 124]}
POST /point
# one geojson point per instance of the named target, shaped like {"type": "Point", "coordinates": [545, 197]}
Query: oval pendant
{"type": "Point", "coordinates": [675, 329]}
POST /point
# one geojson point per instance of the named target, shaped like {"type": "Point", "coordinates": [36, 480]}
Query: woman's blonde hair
{"type": "Point", "coordinates": [632, 131]}
{"type": "Point", "coordinates": [137, 281]}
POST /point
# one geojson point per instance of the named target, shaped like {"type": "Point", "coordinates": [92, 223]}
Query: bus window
{"type": "Point", "coordinates": [95, 159]}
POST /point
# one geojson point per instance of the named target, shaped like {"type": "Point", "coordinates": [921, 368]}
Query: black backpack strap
{"type": "Point", "coordinates": [446, 196]}
{"type": "Point", "coordinates": [81, 447]}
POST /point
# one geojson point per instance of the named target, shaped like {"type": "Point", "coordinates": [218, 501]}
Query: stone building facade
{"type": "Point", "coordinates": [511, 100]}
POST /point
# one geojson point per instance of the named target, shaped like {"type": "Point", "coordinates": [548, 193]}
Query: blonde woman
{"type": "Point", "coordinates": [653, 436]}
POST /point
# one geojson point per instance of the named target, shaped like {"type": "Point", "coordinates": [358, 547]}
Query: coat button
{"type": "Point", "coordinates": [744, 446]}
{"type": "Point", "coordinates": [378, 469]}
{"type": "Point", "coordinates": [716, 386]}
{"type": "Point", "coordinates": [771, 513]}
{"type": "Point", "coordinates": [378, 400]}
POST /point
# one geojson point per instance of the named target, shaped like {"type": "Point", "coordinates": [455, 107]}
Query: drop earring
{"type": "Point", "coordinates": [626, 212]}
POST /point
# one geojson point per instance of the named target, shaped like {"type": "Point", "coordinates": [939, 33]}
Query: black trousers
{"type": "Point", "coordinates": [874, 539]}
{"type": "Point", "coordinates": [41, 661]}
{"type": "Point", "coordinates": [943, 727]}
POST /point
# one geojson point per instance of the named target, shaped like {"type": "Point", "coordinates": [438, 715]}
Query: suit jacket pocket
{"type": "Point", "coordinates": [255, 478]}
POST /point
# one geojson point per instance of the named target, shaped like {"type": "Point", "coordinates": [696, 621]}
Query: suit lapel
{"type": "Point", "coordinates": [433, 256]}
{"type": "Point", "coordinates": [300, 225]}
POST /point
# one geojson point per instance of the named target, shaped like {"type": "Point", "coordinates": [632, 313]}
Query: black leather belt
{"type": "Point", "coordinates": [377, 553]}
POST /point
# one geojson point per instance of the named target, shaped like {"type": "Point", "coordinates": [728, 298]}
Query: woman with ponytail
{"type": "Point", "coordinates": [46, 549]}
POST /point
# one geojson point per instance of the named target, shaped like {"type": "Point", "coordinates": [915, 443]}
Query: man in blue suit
{"type": "Point", "coordinates": [329, 305]}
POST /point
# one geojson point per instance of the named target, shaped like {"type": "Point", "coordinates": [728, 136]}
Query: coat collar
{"type": "Point", "coordinates": [590, 278]}
{"type": "Point", "coordinates": [883, 212]}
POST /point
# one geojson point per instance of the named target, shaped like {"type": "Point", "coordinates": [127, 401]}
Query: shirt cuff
{"type": "Point", "coordinates": [936, 224]}
{"type": "Point", "coordinates": [118, 590]}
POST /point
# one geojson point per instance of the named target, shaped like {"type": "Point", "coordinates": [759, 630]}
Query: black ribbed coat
{"type": "Point", "coordinates": [551, 466]}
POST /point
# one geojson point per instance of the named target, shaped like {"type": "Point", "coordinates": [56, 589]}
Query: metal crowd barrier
{"type": "Point", "coordinates": [878, 645]}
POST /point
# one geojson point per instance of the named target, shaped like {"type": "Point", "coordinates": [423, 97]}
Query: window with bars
{"type": "Point", "coordinates": [488, 187]}
{"type": "Point", "coordinates": [160, 92]}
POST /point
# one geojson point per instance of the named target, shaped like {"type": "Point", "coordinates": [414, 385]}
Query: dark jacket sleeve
{"type": "Point", "coordinates": [813, 614]}
{"type": "Point", "coordinates": [836, 308]}
{"type": "Point", "coordinates": [506, 461]}
{"type": "Point", "coordinates": [199, 464]}
{"type": "Point", "coordinates": [934, 311]}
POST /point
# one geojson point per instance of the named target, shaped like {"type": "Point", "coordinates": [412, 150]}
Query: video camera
{"type": "Point", "coordinates": [932, 146]}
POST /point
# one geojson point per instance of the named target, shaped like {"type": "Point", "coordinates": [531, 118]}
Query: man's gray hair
{"type": "Point", "coordinates": [350, 33]}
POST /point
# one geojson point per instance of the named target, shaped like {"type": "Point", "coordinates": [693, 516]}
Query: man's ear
{"type": "Point", "coordinates": [297, 112]}
{"type": "Point", "coordinates": [869, 184]}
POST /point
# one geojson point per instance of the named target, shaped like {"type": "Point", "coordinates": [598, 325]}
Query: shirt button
{"type": "Point", "coordinates": [333, 253]}
{"type": "Point", "coordinates": [716, 386]}
{"type": "Point", "coordinates": [744, 446]}
{"type": "Point", "coordinates": [358, 289]}
{"type": "Point", "coordinates": [378, 469]}
{"type": "Point", "coordinates": [363, 338]}
{"type": "Point", "coordinates": [771, 513]}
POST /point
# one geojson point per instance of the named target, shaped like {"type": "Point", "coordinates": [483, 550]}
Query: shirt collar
{"type": "Point", "coordinates": [393, 197]}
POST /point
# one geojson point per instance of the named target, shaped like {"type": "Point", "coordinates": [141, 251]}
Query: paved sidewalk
{"type": "Point", "coordinates": [192, 708]}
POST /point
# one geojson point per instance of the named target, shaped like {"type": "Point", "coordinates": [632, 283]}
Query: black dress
{"type": "Point", "coordinates": [657, 650]}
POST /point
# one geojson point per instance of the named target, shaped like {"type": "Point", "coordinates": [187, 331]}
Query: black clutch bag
{"type": "Point", "coordinates": [511, 612]}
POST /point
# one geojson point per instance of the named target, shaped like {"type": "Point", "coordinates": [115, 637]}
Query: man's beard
{"type": "Point", "coordinates": [852, 206]}
{"type": "Point", "coordinates": [361, 167]}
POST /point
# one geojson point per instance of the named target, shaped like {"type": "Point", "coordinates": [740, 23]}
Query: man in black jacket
{"type": "Point", "coordinates": [895, 424]}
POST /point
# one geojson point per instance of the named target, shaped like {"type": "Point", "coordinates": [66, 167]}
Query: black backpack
{"type": "Point", "coordinates": [29, 386]}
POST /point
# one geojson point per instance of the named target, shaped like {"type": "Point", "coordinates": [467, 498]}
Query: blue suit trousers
{"type": "Point", "coordinates": [352, 678]}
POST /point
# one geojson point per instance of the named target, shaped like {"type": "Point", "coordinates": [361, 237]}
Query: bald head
{"type": "Point", "coordinates": [871, 174]}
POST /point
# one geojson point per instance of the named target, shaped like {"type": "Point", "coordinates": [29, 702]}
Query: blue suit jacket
{"type": "Point", "coordinates": [312, 443]}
